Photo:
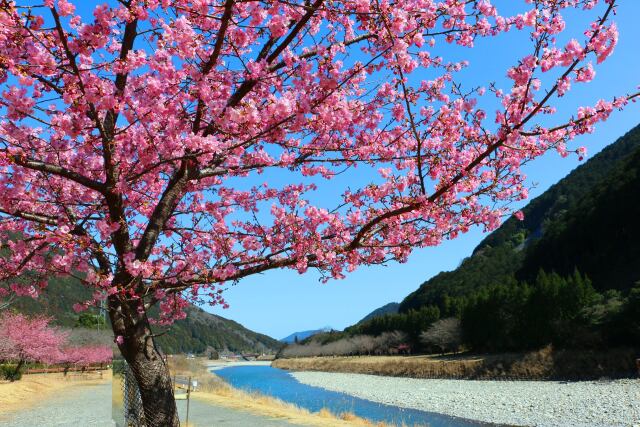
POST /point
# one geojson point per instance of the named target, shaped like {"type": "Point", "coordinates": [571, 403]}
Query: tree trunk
{"type": "Point", "coordinates": [146, 363]}
{"type": "Point", "coordinates": [16, 372]}
{"type": "Point", "coordinates": [156, 390]}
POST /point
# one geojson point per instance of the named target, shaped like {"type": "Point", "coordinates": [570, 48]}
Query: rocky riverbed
{"type": "Point", "coordinates": [524, 403]}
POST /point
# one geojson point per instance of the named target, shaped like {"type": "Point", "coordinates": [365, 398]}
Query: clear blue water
{"type": "Point", "coordinates": [280, 384]}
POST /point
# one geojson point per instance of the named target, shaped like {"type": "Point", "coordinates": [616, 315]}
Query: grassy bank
{"type": "Point", "coordinates": [213, 390]}
{"type": "Point", "coordinates": [32, 389]}
{"type": "Point", "coordinates": [538, 365]}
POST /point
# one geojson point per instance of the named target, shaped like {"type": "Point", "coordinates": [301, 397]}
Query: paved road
{"type": "Point", "coordinates": [90, 406]}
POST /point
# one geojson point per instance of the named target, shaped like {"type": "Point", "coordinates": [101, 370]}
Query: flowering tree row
{"type": "Point", "coordinates": [24, 339]}
{"type": "Point", "coordinates": [160, 150]}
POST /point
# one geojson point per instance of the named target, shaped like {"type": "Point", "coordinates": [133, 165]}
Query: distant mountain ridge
{"type": "Point", "coordinates": [302, 335]}
{"type": "Point", "coordinates": [191, 335]}
{"type": "Point", "coordinates": [390, 308]}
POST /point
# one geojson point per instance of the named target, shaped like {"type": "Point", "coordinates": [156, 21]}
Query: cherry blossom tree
{"type": "Point", "coordinates": [86, 356]}
{"type": "Point", "coordinates": [24, 339]}
{"type": "Point", "coordinates": [137, 144]}
{"type": "Point", "coordinates": [29, 340]}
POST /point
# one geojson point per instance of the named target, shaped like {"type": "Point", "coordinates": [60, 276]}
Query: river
{"type": "Point", "coordinates": [280, 384]}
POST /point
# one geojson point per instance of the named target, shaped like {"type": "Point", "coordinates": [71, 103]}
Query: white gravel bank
{"type": "Point", "coordinates": [526, 403]}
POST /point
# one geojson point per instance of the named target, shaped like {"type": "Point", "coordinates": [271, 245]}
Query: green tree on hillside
{"type": "Point", "coordinates": [90, 320]}
{"type": "Point", "coordinates": [518, 316]}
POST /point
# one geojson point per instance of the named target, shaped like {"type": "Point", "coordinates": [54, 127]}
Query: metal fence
{"type": "Point", "coordinates": [127, 408]}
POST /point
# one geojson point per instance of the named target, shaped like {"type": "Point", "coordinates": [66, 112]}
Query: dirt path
{"type": "Point", "coordinates": [204, 414]}
{"type": "Point", "coordinates": [84, 405]}
{"type": "Point", "coordinates": [90, 406]}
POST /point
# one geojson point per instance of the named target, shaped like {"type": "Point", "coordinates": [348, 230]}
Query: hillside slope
{"type": "Point", "coordinates": [201, 330]}
{"type": "Point", "coordinates": [566, 192]}
{"type": "Point", "coordinates": [599, 235]}
{"type": "Point", "coordinates": [191, 335]}
{"type": "Point", "coordinates": [390, 308]}
{"type": "Point", "coordinates": [56, 301]}
{"type": "Point", "coordinates": [581, 215]}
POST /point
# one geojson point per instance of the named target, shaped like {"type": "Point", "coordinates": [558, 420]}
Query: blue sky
{"type": "Point", "coordinates": [280, 302]}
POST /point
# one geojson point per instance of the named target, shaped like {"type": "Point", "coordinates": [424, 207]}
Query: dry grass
{"type": "Point", "coordinates": [542, 364]}
{"type": "Point", "coordinates": [31, 389]}
{"type": "Point", "coordinates": [214, 390]}
{"type": "Point", "coordinates": [397, 366]}
{"type": "Point", "coordinates": [274, 408]}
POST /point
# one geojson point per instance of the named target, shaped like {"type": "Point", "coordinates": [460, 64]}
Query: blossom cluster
{"type": "Point", "coordinates": [24, 339]}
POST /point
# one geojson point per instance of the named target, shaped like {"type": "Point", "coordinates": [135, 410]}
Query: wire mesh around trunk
{"type": "Point", "coordinates": [127, 410]}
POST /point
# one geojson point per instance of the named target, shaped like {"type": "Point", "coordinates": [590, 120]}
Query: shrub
{"type": "Point", "coordinates": [10, 372]}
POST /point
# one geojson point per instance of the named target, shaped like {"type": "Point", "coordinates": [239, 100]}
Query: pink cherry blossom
{"type": "Point", "coordinates": [29, 340]}
{"type": "Point", "coordinates": [86, 356]}
{"type": "Point", "coordinates": [24, 339]}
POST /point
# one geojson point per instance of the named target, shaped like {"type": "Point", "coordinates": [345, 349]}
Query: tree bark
{"type": "Point", "coordinates": [146, 362]}
{"type": "Point", "coordinates": [16, 372]}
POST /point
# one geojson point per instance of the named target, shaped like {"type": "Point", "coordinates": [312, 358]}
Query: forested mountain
{"type": "Point", "coordinates": [191, 335]}
{"type": "Point", "coordinates": [56, 301]}
{"type": "Point", "coordinates": [599, 234]}
{"type": "Point", "coordinates": [390, 308]}
{"type": "Point", "coordinates": [565, 193]}
{"type": "Point", "coordinates": [201, 330]}
{"type": "Point", "coordinates": [584, 221]}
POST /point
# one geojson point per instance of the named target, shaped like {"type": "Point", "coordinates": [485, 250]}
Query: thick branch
{"type": "Point", "coordinates": [60, 171]}
{"type": "Point", "coordinates": [114, 199]}
{"type": "Point", "coordinates": [163, 210]}
{"type": "Point", "coordinates": [130, 32]}
{"type": "Point", "coordinates": [40, 218]}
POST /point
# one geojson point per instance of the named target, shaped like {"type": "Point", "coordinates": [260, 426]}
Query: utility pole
{"type": "Point", "coordinates": [102, 314]}
{"type": "Point", "coordinates": [188, 399]}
